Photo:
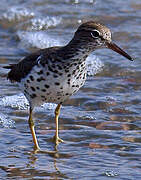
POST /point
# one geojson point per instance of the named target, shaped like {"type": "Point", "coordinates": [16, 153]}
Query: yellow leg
{"type": "Point", "coordinates": [57, 113]}
{"type": "Point", "coordinates": [31, 125]}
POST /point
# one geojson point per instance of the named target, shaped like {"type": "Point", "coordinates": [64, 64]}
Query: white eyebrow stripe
{"type": "Point", "coordinates": [92, 35]}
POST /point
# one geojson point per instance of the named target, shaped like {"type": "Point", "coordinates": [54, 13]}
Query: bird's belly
{"type": "Point", "coordinates": [41, 85]}
{"type": "Point", "coordinates": [52, 88]}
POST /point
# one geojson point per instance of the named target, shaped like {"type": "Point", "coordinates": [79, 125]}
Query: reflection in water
{"type": "Point", "coordinates": [32, 165]}
{"type": "Point", "coordinates": [32, 156]}
{"type": "Point", "coordinates": [95, 146]}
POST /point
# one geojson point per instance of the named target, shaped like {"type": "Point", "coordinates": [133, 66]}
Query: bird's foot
{"type": "Point", "coordinates": [57, 140]}
{"type": "Point", "coordinates": [36, 149]}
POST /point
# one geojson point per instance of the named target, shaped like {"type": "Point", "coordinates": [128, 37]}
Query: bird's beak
{"type": "Point", "coordinates": [117, 49]}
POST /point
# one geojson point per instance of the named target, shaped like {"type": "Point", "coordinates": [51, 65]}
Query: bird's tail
{"type": "Point", "coordinates": [11, 72]}
{"type": "Point", "coordinates": [10, 66]}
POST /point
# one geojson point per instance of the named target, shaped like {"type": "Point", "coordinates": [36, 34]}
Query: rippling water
{"type": "Point", "coordinates": [101, 123]}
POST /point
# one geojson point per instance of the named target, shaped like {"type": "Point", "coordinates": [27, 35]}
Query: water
{"type": "Point", "coordinates": [101, 123]}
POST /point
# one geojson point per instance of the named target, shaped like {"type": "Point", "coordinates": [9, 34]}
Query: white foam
{"type": "Point", "coordinates": [15, 101]}
{"type": "Point", "coordinates": [82, 1]}
{"type": "Point", "coordinates": [94, 65]}
{"type": "Point", "coordinates": [44, 23]}
{"type": "Point", "coordinates": [20, 102]}
{"type": "Point", "coordinates": [6, 122]}
{"type": "Point", "coordinates": [37, 39]}
{"type": "Point", "coordinates": [47, 106]}
{"type": "Point", "coordinates": [16, 13]}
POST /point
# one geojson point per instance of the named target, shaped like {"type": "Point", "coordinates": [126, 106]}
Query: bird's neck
{"type": "Point", "coordinates": [76, 50]}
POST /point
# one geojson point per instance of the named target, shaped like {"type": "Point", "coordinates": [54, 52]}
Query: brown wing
{"type": "Point", "coordinates": [20, 70]}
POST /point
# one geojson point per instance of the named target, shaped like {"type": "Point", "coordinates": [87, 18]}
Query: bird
{"type": "Point", "coordinates": [54, 74]}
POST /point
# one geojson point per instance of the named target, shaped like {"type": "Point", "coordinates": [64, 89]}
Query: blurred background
{"type": "Point", "coordinates": [101, 123]}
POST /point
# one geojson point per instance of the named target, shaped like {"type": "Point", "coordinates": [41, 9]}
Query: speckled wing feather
{"type": "Point", "coordinates": [20, 70]}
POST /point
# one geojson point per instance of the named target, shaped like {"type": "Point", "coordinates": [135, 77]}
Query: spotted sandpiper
{"type": "Point", "coordinates": [54, 74]}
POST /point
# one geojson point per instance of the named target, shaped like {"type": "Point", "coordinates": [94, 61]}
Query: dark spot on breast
{"type": "Point", "coordinates": [55, 71]}
{"type": "Point", "coordinates": [43, 97]}
{"type": "Point", "coordinates": [33, 95]}
{"type": "Point", "coordinates": [28, 81]}
{"type": "Point", "coordinates": [84, 76]}
{"type": "Point", "coordinates": [47, 73]}
{"type": "Point", "coordinates": [66, 70]}
{"type": "Point", "coordinates": [59, 67]}
{"type": "Point", "coordinates": [44, 90]}
{"type": "Point", "coordinates": [31, 77]}
{"type": "Point", "coordinates": [69, 75]}
{"type": "Point", "coordinates": [41, 79]}
{"type": "Point", "coordinates": [77, 67]}
{"type": "Point", "coordinates": [32, 88]}
{"type": "Point", "coordinates": [37, 87]}
{"type": "Point", "coordinates": [25, 85]}
{"type": "Point", "coordinates": [60, 74]}
{"type": "Point", "coordinates": [74, 71]}
{"type": "Point", "coordinates": [57, 83]}
{"type": "Point", "coordinates": [67, 94]}
{"type": "Point", "coordinates": [40, 72]}
{"type": "Point", "coordinates": [46, 86]}
{"type": "Point", "coordinates": [61, 87]}
{"type": "Point", "coordinates": [69, 81]}
{"type": "Point", "coordinates": [25, 91]}
{"type": "Point", "coordinates": [55, 76]}
{"type": "Point", "coordinates": [50, 69]}
{"type": "Point", "coordinates": [53, 65]}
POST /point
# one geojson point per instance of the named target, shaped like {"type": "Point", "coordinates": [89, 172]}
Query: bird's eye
{"type": "Point", "coordinates": [95, 34]}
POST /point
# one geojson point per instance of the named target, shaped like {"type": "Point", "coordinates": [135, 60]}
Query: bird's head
{"type": "Point", "coordinates": [95, 35]}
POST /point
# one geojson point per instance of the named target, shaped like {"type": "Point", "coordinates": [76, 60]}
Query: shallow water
{"type": "Point", "coordinates": [101, 123]}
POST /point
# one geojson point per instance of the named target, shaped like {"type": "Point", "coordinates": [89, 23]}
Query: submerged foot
{"type": "Point", "coordinates": [38, 150]}
{"type": "Point", "coordinates": [57, 140]}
